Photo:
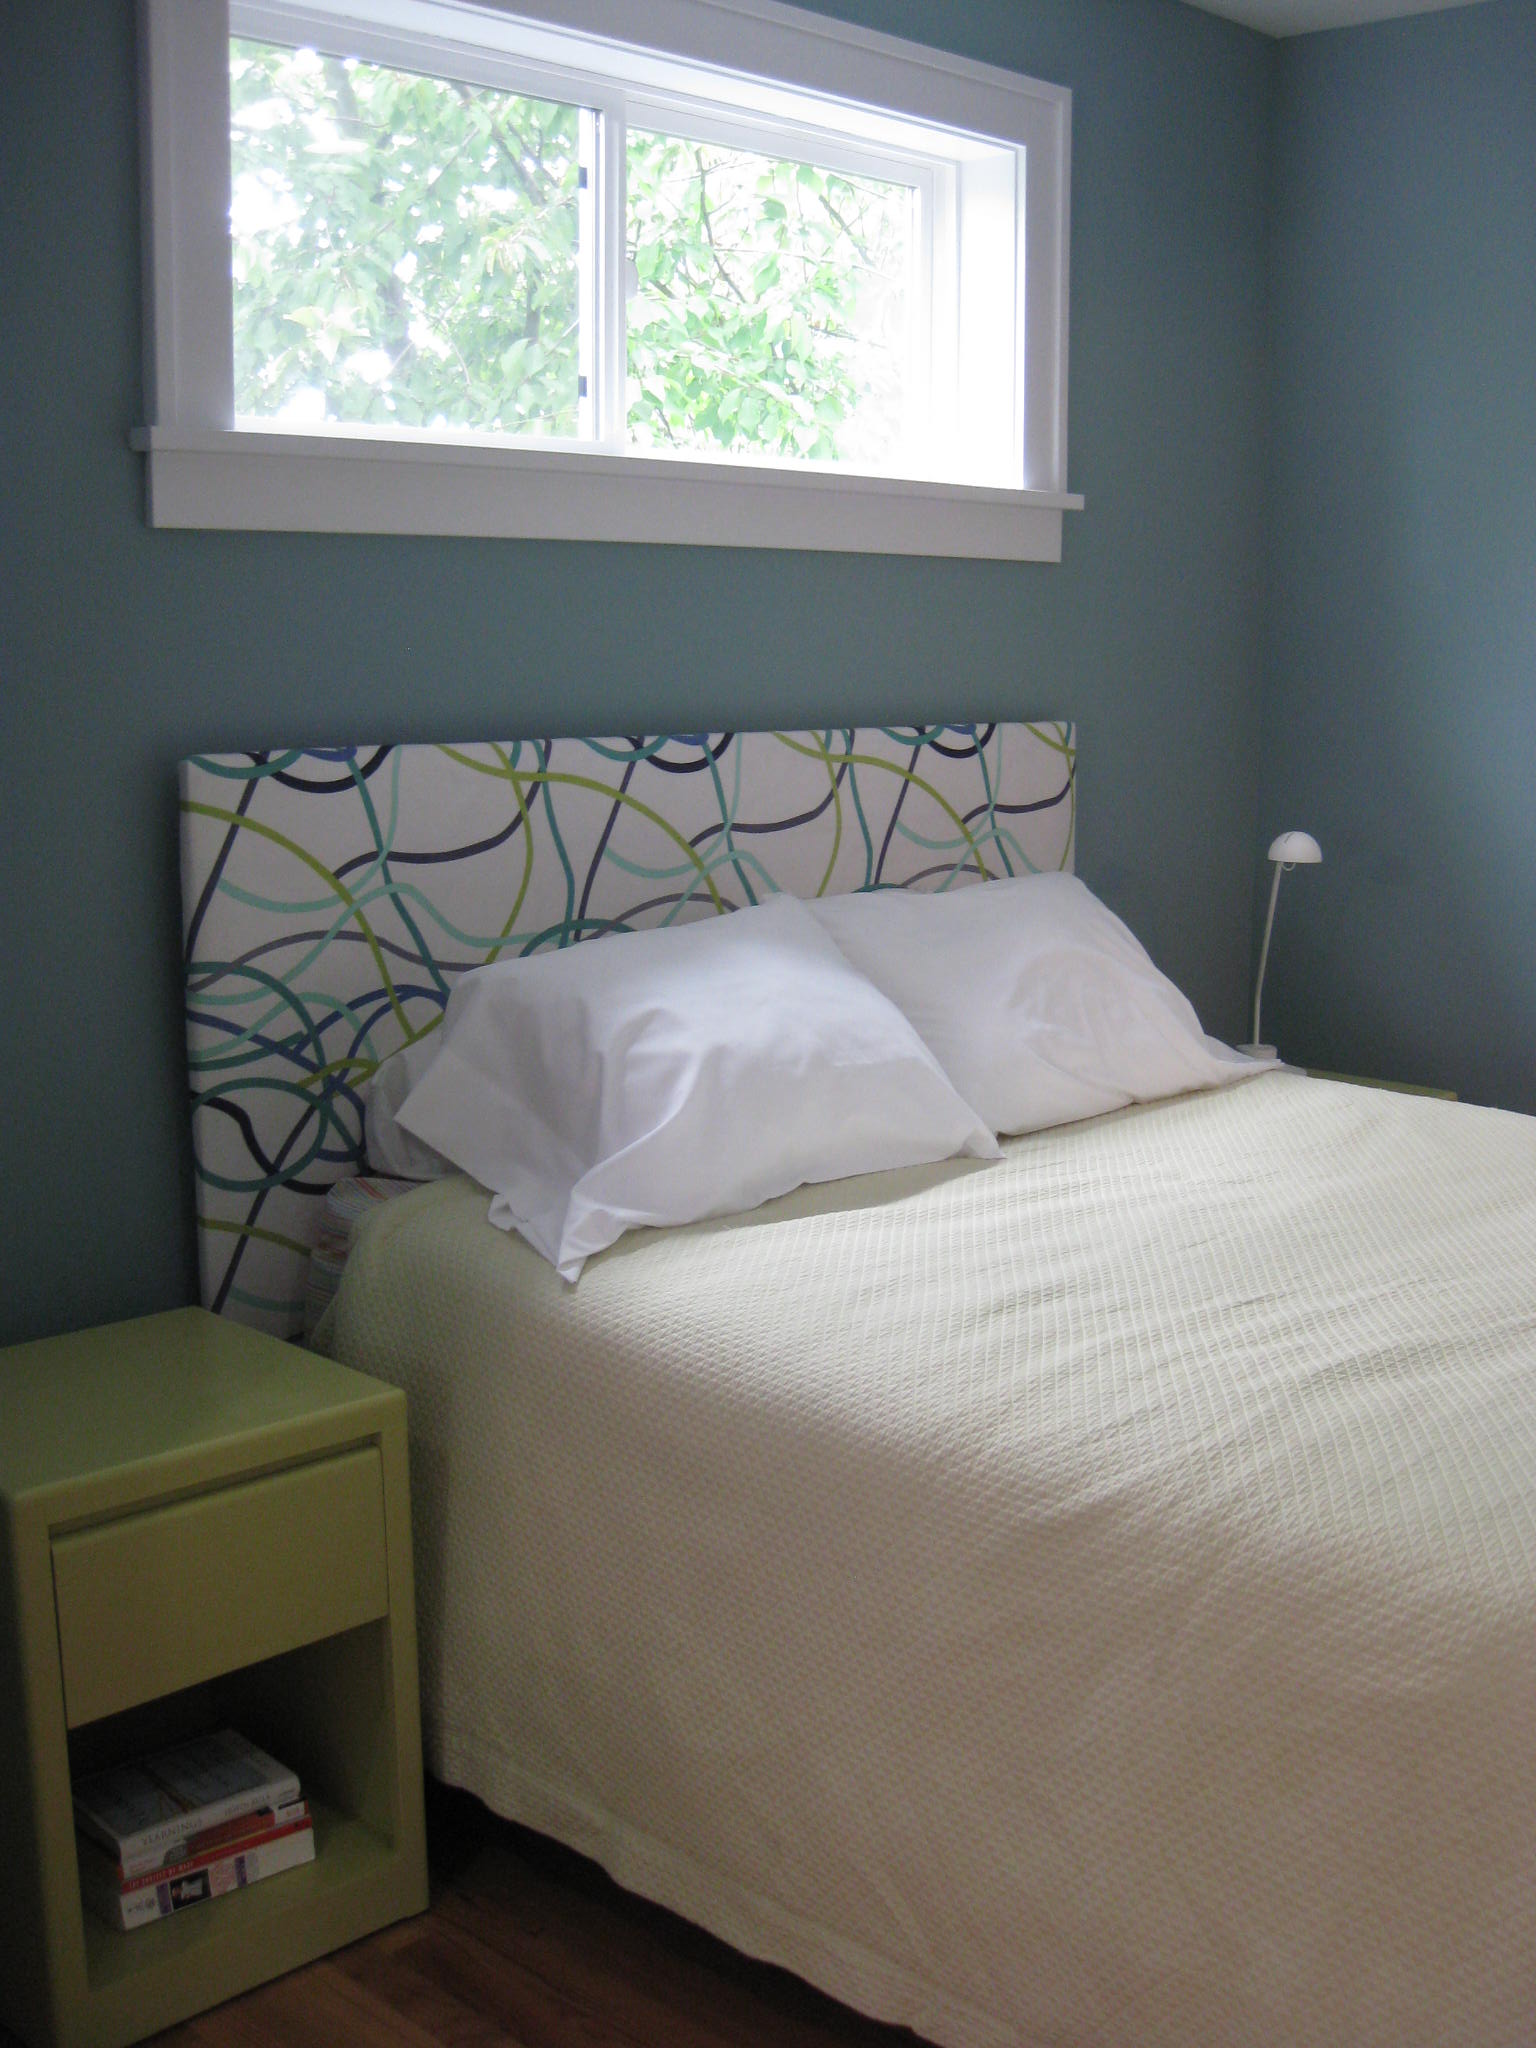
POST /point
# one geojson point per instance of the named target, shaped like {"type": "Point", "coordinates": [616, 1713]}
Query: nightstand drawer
{"type": "Point", "coordinates": [156, 1601]}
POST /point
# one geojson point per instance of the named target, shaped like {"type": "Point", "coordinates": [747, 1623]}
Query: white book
{"type": "Point", "coordinates": [148, 1813]}
{"type": "Point", "coordinates": [159, 1893]}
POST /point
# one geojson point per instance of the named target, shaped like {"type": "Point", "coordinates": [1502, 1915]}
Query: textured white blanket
{"type": "Point", "coordinates": [1087, 1599]}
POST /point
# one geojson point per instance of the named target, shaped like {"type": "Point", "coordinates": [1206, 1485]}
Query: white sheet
{"type": "Point", "coordinates": [1091, 1599]}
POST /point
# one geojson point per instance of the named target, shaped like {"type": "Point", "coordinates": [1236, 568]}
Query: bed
{"type": "Point", "coordinates": [1088, 1598]}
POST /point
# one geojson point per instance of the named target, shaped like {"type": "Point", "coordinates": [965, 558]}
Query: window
{"type": "Point", "coordinates": [420, 266]}
{"type": "Point", "coordinates": [775, 302]}
{"type": "Point", "coordinates": [407, 251]}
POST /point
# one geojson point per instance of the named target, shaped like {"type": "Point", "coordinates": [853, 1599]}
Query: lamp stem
{"type": "Point", "coordinates": [1269, 925]}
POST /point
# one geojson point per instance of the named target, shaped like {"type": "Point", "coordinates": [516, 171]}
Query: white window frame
{"type": "Point", "coordinates": [205, 470]}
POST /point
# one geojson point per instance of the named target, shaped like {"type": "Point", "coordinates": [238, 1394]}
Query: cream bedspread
{"type": "Point", "coordinates": [1087, 1599]}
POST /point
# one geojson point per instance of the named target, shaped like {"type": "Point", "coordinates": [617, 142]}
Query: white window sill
{"type": "Point", "coordinates": [246, 480]}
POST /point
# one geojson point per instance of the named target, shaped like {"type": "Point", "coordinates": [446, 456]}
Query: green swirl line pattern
{"type": "Point", "coordinates": [332, 897]}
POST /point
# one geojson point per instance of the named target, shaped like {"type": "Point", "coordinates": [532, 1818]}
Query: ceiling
{"type": "Point", "coordinates": [1297, 17]}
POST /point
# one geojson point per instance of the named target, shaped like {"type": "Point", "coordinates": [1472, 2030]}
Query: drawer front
{"type": "Point", "coordinates": [155, 1601]}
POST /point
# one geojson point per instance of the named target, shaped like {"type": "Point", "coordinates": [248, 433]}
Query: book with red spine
{"type": "Point", "coordinates": [228, 1865]}
{"type": "Point", "coordinates": [221, 1840]}
{"type": "Point", "coordinates": [147, 1814]}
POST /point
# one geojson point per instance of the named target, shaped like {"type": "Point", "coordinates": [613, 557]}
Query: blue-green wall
{"type": "Point", "coordinates": [1401, 692]}
{"type": "Point", "coordinates": [124, 649]}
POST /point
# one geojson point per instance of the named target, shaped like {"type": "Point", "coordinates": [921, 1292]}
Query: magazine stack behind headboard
{"type": "Point", "coordinates": [332, 897]}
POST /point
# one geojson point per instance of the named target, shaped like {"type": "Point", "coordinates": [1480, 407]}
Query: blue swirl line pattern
{"type": "Point", "coordinates": [332, 896]}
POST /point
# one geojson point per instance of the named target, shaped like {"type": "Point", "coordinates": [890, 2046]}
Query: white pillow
{"type": "Point", "coordinates": [389, 1148]}
{"type": "Point", "coordinates": [1035, 999]}
{"type": "Point", "coordinates": [664, 1076]}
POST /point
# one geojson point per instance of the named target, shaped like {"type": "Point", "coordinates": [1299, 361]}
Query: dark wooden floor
{"type": "Point", "coordinates": [528, 1944]}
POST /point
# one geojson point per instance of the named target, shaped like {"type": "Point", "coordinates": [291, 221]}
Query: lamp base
{"type": "Point", "coordinates": [1259, 1052]}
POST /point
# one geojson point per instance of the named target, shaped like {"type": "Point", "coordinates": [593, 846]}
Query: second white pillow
{"type": "Point", "coordinates": [1039, 1004]}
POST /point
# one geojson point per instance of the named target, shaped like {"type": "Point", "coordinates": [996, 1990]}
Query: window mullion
{"type": "Point", "coordinates": [589, 274]}
{"type": "Point", "coordinates": [943, 231]}
{"type": "Point", "coordinates": [922, 282]}
{"type": "Point", "coordinates": [613, 296]}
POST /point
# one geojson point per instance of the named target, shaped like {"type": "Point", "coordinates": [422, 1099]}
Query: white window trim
{"type": "Point", "coordinates": [204, 471]}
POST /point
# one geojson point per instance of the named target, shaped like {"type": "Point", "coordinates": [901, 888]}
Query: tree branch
{"type": "Point", "coordinates": [709, 227]}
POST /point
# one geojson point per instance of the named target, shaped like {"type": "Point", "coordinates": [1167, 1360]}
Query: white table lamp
{"type": "Point", "coordinates": [1290, 850]}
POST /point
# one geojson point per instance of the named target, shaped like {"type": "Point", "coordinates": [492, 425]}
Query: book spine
{"type": "Point", "coordinates": [172, 1894]}
{"type": "Point", "coordinates": [147, 1849]}
{"type": "Point", "coordinates": [196, 1844]}
{"type": "Point", "coordinates": [270, 1829]}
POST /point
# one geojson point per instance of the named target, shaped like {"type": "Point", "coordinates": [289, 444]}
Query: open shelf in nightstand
{"type": "Point", "coordinates": [324, 1710]}
{"type": "Point", "coordinates": [347, 1853]}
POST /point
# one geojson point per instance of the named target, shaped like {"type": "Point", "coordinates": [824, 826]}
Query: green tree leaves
{"type": "Point", "coordinates": [406, 252]}
{"type": "Point", "coordinates": [772, 305]}
{"type": "Point", "coordinates": [405, 248]}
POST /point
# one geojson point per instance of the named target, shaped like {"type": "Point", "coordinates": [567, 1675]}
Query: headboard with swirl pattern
{"type": "Point", "coordinates": [331, 898]}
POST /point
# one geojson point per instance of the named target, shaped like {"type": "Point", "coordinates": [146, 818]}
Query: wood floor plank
{"type": "Point", "coordinates": [407, 1981]}
{"type": "Point", "coordinates": [316, 2007]}
{"type": "Point", "coordinates": [465, 1975]}
{"type": "Point", "coordinates": [554, 1911]}
{"type": "Point", "coordinates": [640, 1971]}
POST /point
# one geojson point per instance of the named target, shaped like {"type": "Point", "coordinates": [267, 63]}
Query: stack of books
{"type": "Point", "coordinates": [187, 1824]}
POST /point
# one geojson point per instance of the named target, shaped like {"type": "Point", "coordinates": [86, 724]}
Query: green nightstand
{"type": "Point", "coordinates": [200, 1526]}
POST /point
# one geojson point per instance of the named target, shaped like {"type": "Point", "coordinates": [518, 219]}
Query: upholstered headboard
{"type": "Point", "coordinates": [331, 898]}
